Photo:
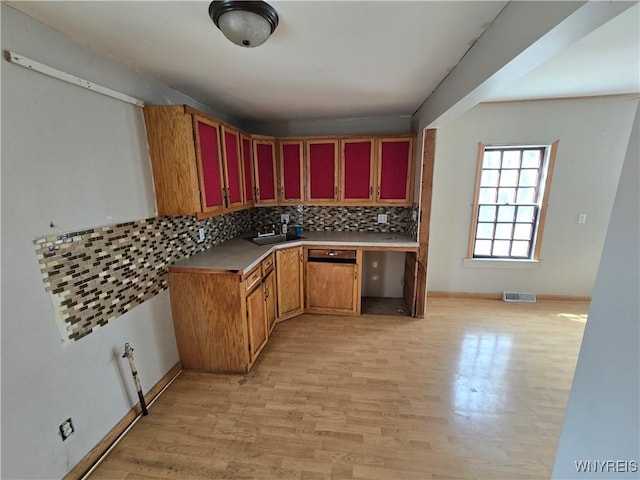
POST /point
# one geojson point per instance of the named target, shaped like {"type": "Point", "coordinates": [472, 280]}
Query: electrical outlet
{"type": "Point", "coordinates": [582, 218]}
{"type": "Point", "coordinates": [284, 218]}
{"type": "Point", "coordinates": [201, 235]}
{"type": "Point", "coordinates": [382, 218]}
{"type": "Point", "coordinates": [414, 215]}
{"type": "Point", "coordinates": [66, 429]}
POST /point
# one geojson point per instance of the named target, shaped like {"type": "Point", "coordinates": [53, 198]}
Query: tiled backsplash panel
{"type": "Point", "coordinates": [336, 219]}
{"type": "Point", "coordinates": [98, 274]}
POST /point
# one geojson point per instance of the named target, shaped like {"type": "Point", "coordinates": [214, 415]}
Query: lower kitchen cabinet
{"type": "Point", "coordinates": [219, 319]}
{"type": "Point", "coordinates": [271, 300]}
{"type": "Point", "coordinates": [290, 275]}
{"type": "Point", "coordinates": [256, 321]}
{"type": "Point", "coordinates": [332, 281]}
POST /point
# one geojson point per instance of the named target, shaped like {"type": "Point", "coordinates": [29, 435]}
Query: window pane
{"type": "Point", "coordinates": [487, 195]}
{"type": "Point", "coordinates": [482, 248]}
{"type": "Point", "coordinates": [506, 195]}
{"type": "Point", "coordinates": [526, 195]}
{"type": "Point", "coordinates": [503, 230]}
{"type": "Point", "coordinates": [505, 213]}
{"type": "Point", "coordinates": [509, 178]}
{"type": "Point", "coordinates": [525, 214]}
{"type": "Point", "coordinates": [511, 159]}
{"type": "Point", "coordinates": [485, 230]}
{"type": "Point", "coordinates": [520, 249]}
{"type": "Point", "coordinates": [487, 213]}
{"type": "Point", "coordinates": [528, 178]}
{"type": "Point", "coordinates": [501, 248]}
{"type": "Point", "coordinates": [489, 178]}
{"type": "Point", "coordinates": [522, 231]}
{"type": "Point", "coordinates": [531, 159]}
{"type": "Point", "coordinates": [491, 159]}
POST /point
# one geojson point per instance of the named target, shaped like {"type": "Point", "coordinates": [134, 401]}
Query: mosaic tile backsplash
{"type": "Point", "coordinates": [337, 219]}
{"type": "Point", "coordinates": [98, 274]}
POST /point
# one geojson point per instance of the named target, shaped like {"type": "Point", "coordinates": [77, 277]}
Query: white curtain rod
{"type": "Point", "coordinates": [66, 77]}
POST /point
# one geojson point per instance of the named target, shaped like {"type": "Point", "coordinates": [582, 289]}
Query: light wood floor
{"type": "Point", "coordinates": [477, 389]}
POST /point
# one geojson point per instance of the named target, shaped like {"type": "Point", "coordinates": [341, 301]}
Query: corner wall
{"type": "Point", "coordinates": [593, 135]}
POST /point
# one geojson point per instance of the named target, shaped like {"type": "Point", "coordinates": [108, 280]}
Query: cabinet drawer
{"type": "Point", "coordinates": [252, 278]}
{"type": "Point", "coordinates": [267, 265]}
{"type": "Point", "coordinates": [319, 254]}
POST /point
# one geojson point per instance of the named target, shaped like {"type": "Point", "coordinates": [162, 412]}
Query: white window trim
{"type": "Point", "coordinates": [501, 263]}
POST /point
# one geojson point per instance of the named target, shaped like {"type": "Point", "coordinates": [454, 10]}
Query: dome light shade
{"type": "Point", "coordinates": [248, 24]}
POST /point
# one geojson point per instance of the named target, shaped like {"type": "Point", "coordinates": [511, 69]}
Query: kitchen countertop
{"type": "Point", "coordinates": [239, 255]}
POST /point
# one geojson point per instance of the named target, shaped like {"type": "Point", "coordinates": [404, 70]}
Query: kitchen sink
{"type": "Point", "coordinates": [271, 239]}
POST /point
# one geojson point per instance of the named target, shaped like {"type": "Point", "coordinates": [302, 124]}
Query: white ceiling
{"type": "Point", "coordinates": [604, 62]}
{"type": "Point", "coordinates": [330, 59]}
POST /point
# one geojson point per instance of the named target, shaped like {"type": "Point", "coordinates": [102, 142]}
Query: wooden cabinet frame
{"type": "Point", "coordinates": [282, 166]}
{"type": "Point", "coordinates": [214, 209]}
{"type": "Point", "coordinates": [257, 141]}
{"type": "Point", "coordinates": [237, 205]}
{"type": "Point", "coordinates": [343, 173]}
{"type": "Point", "coordinates": [408, 198]}
{"type": "Point", "coordinates": [290, 282]}
{"type": "Point", "coordinates": [246, 155]}
{"type": "Point", "coordinates": [321, 200]}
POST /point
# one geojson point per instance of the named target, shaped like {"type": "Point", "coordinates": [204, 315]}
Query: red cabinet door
{"type": "Point", "coordinates": [291, 171]}
{"type": "Point", "coordinates": [322, 156]}
{"type": "Point", "coordinates": [209, 164]}
{"type": "Point", "coordinates": [357, 170]}
{"type": "Point", "coordinates": [232, 166]}
{"type": "Point", "coordinates": [247, 169]}
{"type": "Point", "coordinates": [395, 177]}
{"type": "Point", "coordinates": [264, 162]}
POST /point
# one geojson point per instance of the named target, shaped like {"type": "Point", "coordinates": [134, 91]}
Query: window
{"type": "Point", "coordinates": [510, 202]}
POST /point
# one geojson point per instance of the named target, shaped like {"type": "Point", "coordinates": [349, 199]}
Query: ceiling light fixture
{"type": "Point", "coordinates": [247, 24]}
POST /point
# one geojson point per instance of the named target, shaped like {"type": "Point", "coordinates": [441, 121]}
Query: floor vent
{"type": "Point", "coordinates": [519, 297]}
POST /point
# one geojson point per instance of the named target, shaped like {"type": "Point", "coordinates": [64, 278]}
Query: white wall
{"type": "Point", "coordinates": [383, 274]}
{"type": "Point", "coordinates": [334, 126]}
{"type": "Point", "coordinates": [78, 159]}
{"type": "Point", "coordinates": [593, 137]}
{"type": "Point", "coordinates": [602, 420]}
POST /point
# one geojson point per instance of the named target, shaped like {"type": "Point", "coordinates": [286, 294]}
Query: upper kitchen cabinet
{"type": "Point", "coordinates": [357, 170]}
{"type": "Point", "coordinates": [175, 174]}
{"type": "Point", "coordinates": [322, 171]}
{"type": "Point", "coordinates": [196, 162]}
{"type": "Point", "coordinates": [207, 148]}
{"type": "Point", "coordinates": [395, 172]}
{"type": "Point", "coordinates": [232, 167]}
{"type": "Point", "coordinates": [264, 161]}
{"type": "Point", "coordinates": [291, 164]}
{"type": "Point", "coordinates": [246, 153]}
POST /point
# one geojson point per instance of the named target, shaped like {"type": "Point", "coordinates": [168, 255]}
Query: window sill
{"type": "Point", "coordinates": [491, 263]}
